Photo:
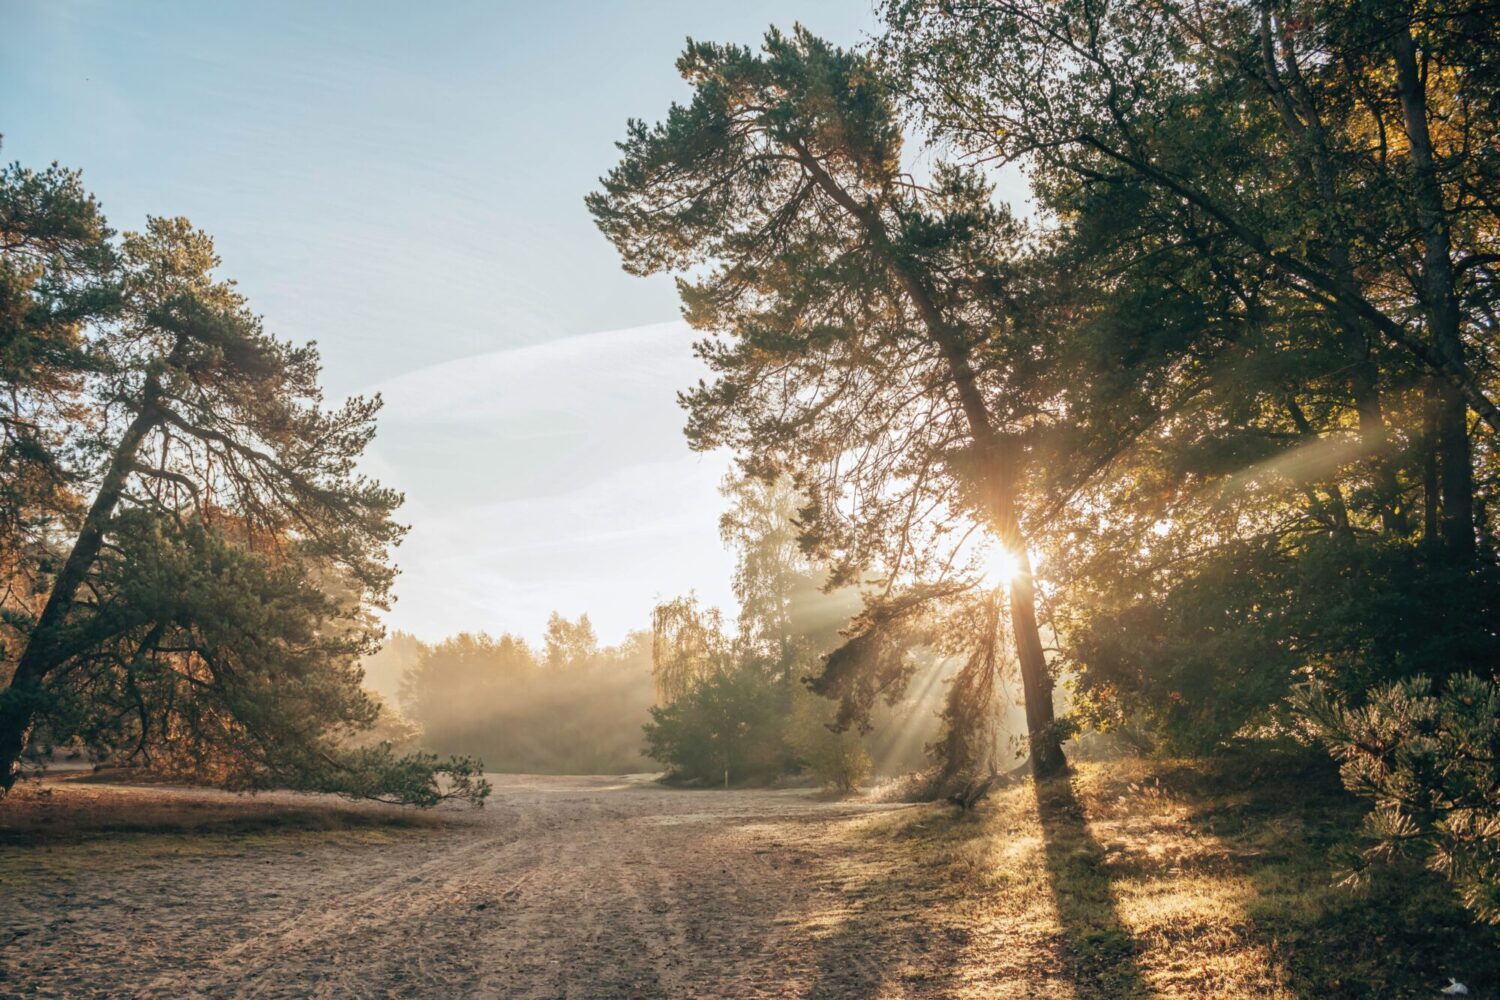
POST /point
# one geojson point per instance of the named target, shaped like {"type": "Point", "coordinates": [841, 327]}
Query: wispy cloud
{"type": "Point", "coordinates": [551, 477]}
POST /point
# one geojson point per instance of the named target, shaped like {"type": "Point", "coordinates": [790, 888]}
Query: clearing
{"type": "Point", "coordinates": [1129, 879]}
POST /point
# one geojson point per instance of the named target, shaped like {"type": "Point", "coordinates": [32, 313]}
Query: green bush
{"type": "Point", "coordinates": [1218, 651]}
{"type": "Point", "coordinates": [727, 728]}
{"type": "Point", "coordinates": [836, 760]}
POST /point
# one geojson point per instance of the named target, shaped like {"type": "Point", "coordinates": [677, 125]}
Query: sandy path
{"type": "Point", "coordinates": [560, 887]}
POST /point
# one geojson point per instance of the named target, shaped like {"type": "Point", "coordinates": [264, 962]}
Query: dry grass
{"type": "Point", "coordinates": [1140, 878]}
{"type": "Point", "coordinates": [57, 829]}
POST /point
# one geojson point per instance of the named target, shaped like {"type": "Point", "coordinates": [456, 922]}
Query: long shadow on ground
{"type": "Point", "coordinates": [921, 920]}
{"type": "Point", "coordinates": [1099, 953]}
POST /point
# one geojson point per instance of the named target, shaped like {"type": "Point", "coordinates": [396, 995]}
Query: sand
{"type": "Point", "coordinates": [560, 887]}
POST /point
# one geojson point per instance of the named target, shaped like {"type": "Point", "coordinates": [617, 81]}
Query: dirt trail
{"type": "Point", "coordinates": [560, 887]}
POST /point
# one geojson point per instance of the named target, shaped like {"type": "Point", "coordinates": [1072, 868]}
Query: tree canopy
{"type": "Point", "coordinates": [194, 557]}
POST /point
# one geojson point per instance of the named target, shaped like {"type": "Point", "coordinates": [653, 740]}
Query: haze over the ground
{"type": "Point", "coordinates": [404, 185]}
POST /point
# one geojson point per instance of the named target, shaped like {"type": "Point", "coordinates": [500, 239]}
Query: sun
{"type": "Point", "coordinates": [1000, 566]}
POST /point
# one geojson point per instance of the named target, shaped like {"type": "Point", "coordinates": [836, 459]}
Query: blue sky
{"type": "Point", "coordinates": [403, 183]}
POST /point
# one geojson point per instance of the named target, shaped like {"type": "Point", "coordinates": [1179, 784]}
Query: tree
{"type": "Point", "coordinates": [687, 646]}
{"type": "Point", "coordinates": [209, 661]}
{"type": "Point", "coordinates": [788, 618]}
{"type": "Point", "coordinates": [1428, 760]}
{"type": "Point", "coordinates": [1272, 252]}
{"type": "Point", "coordinates": [836, 758]}
{"type": "Point", "coordinates": [727, 727]}
{"type": "Point", "coordinates": [216, 586]}
{"type": "Point", "coordinates": [869, 343]}
{"type": "Point", "coordinates": [1284, 146]}
{"type": "Point", "coordinates": [569, 644]}
{"type": "Point", "coordinates": [57, 280]}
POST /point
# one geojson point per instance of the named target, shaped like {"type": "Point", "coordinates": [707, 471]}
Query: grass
{"type": "Point", "coordinates": [59, 829]}
{"type": "Point", "coordinates": [1140, 878]}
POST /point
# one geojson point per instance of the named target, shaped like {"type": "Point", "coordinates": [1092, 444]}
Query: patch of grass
{"type": "Point", "coordinates": [1182, 878]}
{"type": "Point", "coordinates": [55, 830]}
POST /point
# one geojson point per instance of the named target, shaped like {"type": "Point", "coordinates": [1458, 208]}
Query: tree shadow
{"type": "Point", "coordinates": [905, 932]}
{"type": "Point", "coordinates": [1098, 951]}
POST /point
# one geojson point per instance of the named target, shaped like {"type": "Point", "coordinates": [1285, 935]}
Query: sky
{"type": "Point", "coordinates": [403, 183]}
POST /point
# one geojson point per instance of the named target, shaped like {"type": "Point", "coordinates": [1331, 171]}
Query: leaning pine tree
{"type": "Point", "coordinates": [209, 595]}
{"type": "Point", "coordinates": [871, 338]}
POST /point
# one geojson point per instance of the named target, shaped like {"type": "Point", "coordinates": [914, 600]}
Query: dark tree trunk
{"type": "Point", "coordinates": [45, 647]}
{"type": "Point", "coordinates": [1431, 494]}
{"type": "Point", "coordinates": [1440, 302]}
{"type": "Point", "coordinates": [1036, 679]}
{"type": "Point", "coordinates": [1373, 433]}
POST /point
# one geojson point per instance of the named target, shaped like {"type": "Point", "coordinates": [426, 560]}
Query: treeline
{"type": "Point", "coordinates": [571, 707]}
{"type": "Point", "coordinates": [191, 562]}
{"type": "Point", "coordinates": [1226, 394]}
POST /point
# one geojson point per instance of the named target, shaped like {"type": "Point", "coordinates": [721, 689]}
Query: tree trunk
{"type": "Point", "coordinates": [1440, 302]}
{"type": "Point", "coordinates": [1036, 680]}
{"type": "Point", "coordinates": [1431, 495]}
{"type": "Point", "coordinates": [1375, 437]}
{"type": "Point", "coordinates": [996, 467]}
{"type": "Point", "coordinates": [44, 646]}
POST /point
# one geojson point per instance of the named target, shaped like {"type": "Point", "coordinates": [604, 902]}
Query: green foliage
{"type": "Point", "coordinates": [192, 558]}
{"type": "Point", "coordinates": [836, 758]}
{"type": "Point", "coordinates": [1429, 757]}
{"type": "Point", "coordinates": [1217, 653]}
{"type": "Point", "coordinates": [58, 278]}
{"type": "Point", "coordinates": [728, 728]}
{"type": "Point", "coordinates": [378, 773]}
{"type": "Point", "coordinates": [215, 663]}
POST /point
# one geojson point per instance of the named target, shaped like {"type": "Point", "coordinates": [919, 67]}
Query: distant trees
{"type": "Point", "coordinates": [193, 557]}
{"type": "Point", "coordinates": [569, 644]}
{"type": "Point", "coordinates": [573, 708]}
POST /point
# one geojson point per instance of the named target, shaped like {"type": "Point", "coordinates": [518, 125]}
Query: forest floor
{"type": "Point", "coordinates": [1127, 879]}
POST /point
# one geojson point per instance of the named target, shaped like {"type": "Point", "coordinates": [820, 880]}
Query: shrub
{"type": "Point", "coordinates": [728, 728]}
{"type": "Point", "coordinates": [835, 760]}
{"type": "Point", "coordinates": [1428, 759]}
